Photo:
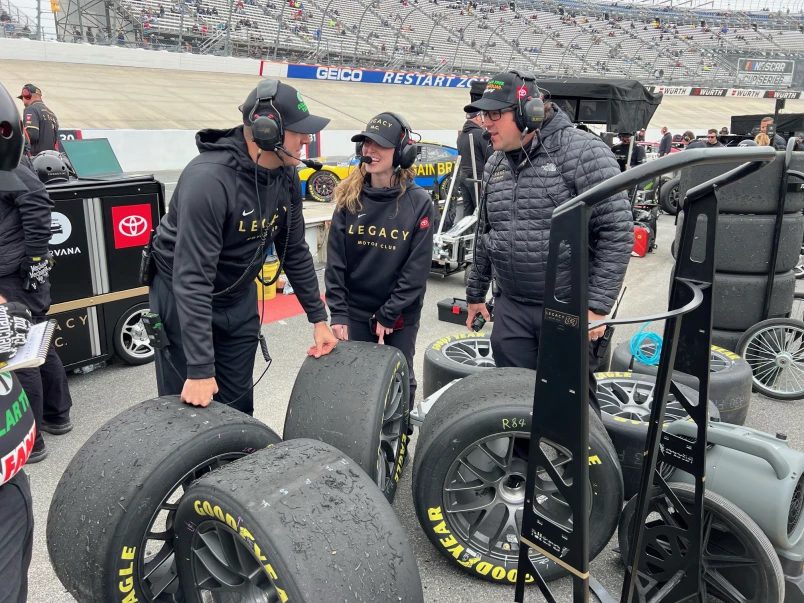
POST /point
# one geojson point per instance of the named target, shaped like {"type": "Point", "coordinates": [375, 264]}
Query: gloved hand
{"type": "Point", "coordinates": [15, 322]}
{"type": "Point", "coordinates": [34, 271]}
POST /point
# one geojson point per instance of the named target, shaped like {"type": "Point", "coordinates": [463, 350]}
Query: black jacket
{"type": "Point", "coordinates": [208, 239]}
{"type": "Point", "coordinates": [24, 222]}
{"type": "Point", "coordinates": [378, 259]}
{"type": "Point", "coordinates": [665, 144]}
{"type": "Point", "coordinates": [42, 127]}
{"type": "Point", "coordinates": [520, 199]}
{"type": "Point", "coordinates": [480, 141]}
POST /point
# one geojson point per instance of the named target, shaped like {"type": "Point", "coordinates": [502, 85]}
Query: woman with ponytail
{"type": "Point", "coordinates": [380, 242]}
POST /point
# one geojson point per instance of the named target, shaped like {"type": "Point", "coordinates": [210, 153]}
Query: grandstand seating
{"type": "Point", "coordinates": [656, 44]}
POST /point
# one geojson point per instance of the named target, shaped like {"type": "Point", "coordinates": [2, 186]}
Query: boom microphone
{"type": "Point", "coordinates": [365, 159]}
{"type": "Point", "coordinates": [310, 163]}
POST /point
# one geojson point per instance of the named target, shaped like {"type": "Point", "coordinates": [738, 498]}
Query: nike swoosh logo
{"type": "Point", "coordinates": [360, 215]}
{"type": "Point", "coordinates": [245, 213]}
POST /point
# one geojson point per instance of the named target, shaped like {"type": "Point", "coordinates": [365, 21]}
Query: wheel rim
{"type": "Point", "coordinates": [391, 433]}
{"type": "Point", "coordinates": [133, 337]}
{"type": "Point", "coordinates": [717, 360]}
{"type": "Point", "coordinates": [731, 572]}
{"type": "Point", "coordinates": [484, 493]}
{"type": "Point", "coordinates": [225, 569]}
{"type": "Point", "coordinates": [629, 399]}
{"type": "Point", "coordinates": [157, 566]}
{"type": "Point", "coordinates": [672, 196]}
{"type": "Point", "coordinates": [470, 352]}
{"type": "Point", "coordinates": [324, 184]}
{"type": "Point", "coordinates": [776, 357]}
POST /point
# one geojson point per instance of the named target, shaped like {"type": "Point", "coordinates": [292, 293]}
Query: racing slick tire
{"type": "Point", "coordinates": [110, 524]}
{"type": "Point", "coordinates": [737, 299]}
{"type": "Point", "coordinates": [739, 561]}
{"type": "Point", "coordinates": [298, 521]}
{"type": "Point", "coordinates": [625, 401]}
{"type": "Point", "coordinates": [743, 243]}
{"type": "Point", "coordinates": [131, 342]}
{"type": "Point", "coordinates": [455, 357]}
{"type": "Point", "coordinates": [356, 398]}
{"type": "Point", "coordinates": [481, 427]}
{"type": "Point", "coordinates": [321, 184]}
{"type": "Point", "coordinates": [669, 197]}
{"type": "Point", "coordinates": [729, 379]}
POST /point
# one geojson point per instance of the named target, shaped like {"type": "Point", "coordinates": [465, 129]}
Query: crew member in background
{"type": "Point", "coordinates": [621, 152]}
{"type": "Point", "coordinates": [710, 142]}
{"type": "Point", "coordinates": [40, 123]}
{"type": "Point", "coordinates": [380, 243]}
{"type": "Point", "coordinates": [232, 201]}
{"type": "Point", "coordinates": [767, 126]}
{"type": "Point", "coordinates": [16, 418]}
{"type": "Point", "coordinates": [24, 277]}
{"type": "Point", "coordinates": [531, 173]}
{"type": "Point", "coordinates": [666, 143]}
{"type": "Point", "coordinates": [472, 136]}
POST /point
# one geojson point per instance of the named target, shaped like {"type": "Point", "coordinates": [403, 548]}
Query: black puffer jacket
{"type": "Point", "coordinates": [520, 199]}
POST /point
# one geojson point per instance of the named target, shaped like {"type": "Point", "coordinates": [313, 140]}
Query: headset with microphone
{"type": "Point", "coordinates": [529, 112]}
{"type": "Point", "coordinates": [268, 131]}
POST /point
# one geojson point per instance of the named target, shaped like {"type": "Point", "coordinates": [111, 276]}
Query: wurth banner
{"type": "Point", "coordinates": [734, 92]}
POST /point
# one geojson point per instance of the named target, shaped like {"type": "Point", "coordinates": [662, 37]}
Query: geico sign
{"type": "Point", "coordinates": [333, 73]}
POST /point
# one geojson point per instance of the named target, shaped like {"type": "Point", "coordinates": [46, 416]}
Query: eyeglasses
{"type": "Point", "coordinates": [711, 137]}
{"type": "Point", "coordinates": [495, 115]}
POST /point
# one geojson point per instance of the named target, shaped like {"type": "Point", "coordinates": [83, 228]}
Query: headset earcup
{"type": "Point", "coordinates": [407, 155]}
{"type": "Point", "coordinates": [533, 113]}
{"type": "Point", "coordinates": [265, 132]}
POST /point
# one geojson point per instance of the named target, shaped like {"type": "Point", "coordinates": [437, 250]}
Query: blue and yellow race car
{"type": "Point", "coordinates": [434, 164]}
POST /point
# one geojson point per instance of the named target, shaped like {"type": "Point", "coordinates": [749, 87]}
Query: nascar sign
{"type": "Point", "coordinates": [765, 72]}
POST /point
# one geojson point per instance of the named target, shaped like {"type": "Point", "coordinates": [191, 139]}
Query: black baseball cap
{"type": "Point", "coordinates": [28, 90]}
{"type": "Point", "coordinates": [384, 129]}
{"type": "Point", "coordinates": [289, 103]}
{"type": "Point", "coordinates": [503, 90]}
{"type": "Point", "coordinates": [476, 89]}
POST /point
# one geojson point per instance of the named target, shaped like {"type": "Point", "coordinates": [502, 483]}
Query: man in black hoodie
{"type": "Point", "coordinates": [241, 194]}
{"type": "Point", "coordinates": [472, 136]}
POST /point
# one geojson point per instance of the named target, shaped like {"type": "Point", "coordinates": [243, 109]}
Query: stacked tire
{"type": "Point", "coordinates": [744, 243]}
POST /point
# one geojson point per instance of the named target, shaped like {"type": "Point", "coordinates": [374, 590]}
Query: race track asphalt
{"type": "Point", "coordinates": [101, 394]}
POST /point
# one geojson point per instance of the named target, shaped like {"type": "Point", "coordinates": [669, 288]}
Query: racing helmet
{"type": "Point", "coordinates": [12, 142]}
{"type": "Point", "coordinates": [51, 166]}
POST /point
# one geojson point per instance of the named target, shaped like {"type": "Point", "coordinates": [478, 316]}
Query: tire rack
{"type": "Point", "coordinates": [562, 414]}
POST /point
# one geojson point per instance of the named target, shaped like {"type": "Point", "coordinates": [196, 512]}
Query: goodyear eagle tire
{"type": "Point", "coordinates": [738, 559]}
{"type": "Point", "coordinates": [298, 521]}
{"type": "Point", "coordinates": [729, 378]}
{"type": "Point", "coordinates": [110, 525]}
{"type": "Point", "coordinates": [737, 299]}
{"type": "Point", "coordinates": [625, 401]}
{"type": "Point", "coordinates": [481, 426]}
{"type": "Point", "coordinates": [454, 357]}
{"type": "Point", "coordinates": [356, 398]}
{"type": "Point", "coordinates": [321, 184]}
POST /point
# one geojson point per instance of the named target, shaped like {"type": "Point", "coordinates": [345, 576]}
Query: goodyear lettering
{"type": "Point", "coordinates": [204, 508]}
{"type": "Point", "coordinates": [595, 460]}
{"type": "Point", "coordinates": [403, 450]}
{"type": "Point", "coordinates": [126, 582]}
{"type": "Point", "coordinates": [465, 557]}
{"type": "Point", "coordinates": [450, 338]}
{"type": "Point", "coordinates": [727, 353]}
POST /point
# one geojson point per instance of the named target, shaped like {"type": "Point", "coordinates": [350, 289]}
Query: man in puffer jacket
{"type": "Point", "coordinates": [535, 168]}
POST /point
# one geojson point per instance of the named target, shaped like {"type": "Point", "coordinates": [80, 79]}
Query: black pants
{"type": "Point", "coordinates": [235, 332]}
{"type": "Point", "coordinates": [515, 338]}
{"type": "Point", "coordinates": [403, 340]}
{"type": "Point", "coordinates": [468, 195]}
{"type": "Point", "coordinates": [46, 386]}
{"type": "Point", "coordinates": [16, 538]}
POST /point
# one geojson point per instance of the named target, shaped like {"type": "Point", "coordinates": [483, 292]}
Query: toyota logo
{"type": "Point", "coordinates": [132, 226]}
